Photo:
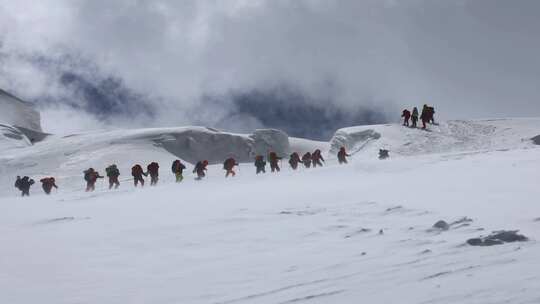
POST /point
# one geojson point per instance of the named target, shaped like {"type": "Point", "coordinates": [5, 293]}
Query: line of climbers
{"type": "Point", "coordinates": [427, 116]}
{"type": "Point", "coordinates": [113, 173]}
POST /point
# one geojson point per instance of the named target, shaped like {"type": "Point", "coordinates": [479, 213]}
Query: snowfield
{"type": "Point", "coordinates": [356, 233]}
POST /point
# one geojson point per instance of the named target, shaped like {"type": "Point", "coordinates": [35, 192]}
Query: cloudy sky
{"type": "Point", "coordinates": [298, 65]}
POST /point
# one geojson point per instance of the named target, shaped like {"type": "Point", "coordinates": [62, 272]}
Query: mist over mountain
{"type": "Point", "coordinates": [139, 64]}
{"type": "Point", "coordinates": [109, 100]}
{"type": "Point", "coordinates": [297, 114]}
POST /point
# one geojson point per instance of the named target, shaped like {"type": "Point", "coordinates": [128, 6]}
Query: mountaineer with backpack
{"type": "Point", "coordinates": [294, 160]}
{"type": "Point", "coordinates": [414, 117]}
{"type": "Point", "coordinates": [137, 173]}
{"type": "Point", "coordinates": [24, 184]}
{"type": "Point", "coordinates": [306, 160]}
{"type": "Point", "coordinates": [178, 168]}
{"type": "Point", "coordinates": [91, 176]}
{"type": "Point", "coordinates": [47, 183]}
{"type": "Point", "coordinates": [153, 170]}
{"type": "Point", "coordinates": [113, 173]}
{"type": "Point", "coordinates": [431, 115]}
{"type": "Point", "coordinates": [260, 164]}
{"type": "Point", "coordinates": [342, 156]}
{"type": "Point", "coordinates": [316, 158]}
{"type": "Point", "coordinates": [425, 116]}
{"type": "Point", "coordinates": [406, 116]}
{"type": "Point", "coordinates": [200, 169]}
{"type": "Point", "coordinates": [228, 166]}
{"type": "Point", "coordinates": [274, 159]}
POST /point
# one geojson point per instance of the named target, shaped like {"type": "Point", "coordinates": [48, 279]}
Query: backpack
{"type": "Point", "coordinates": [175, 165]}
{"type": "Point", "coordinates": [87, 175]}
{"type": "Point", "coordinates": [136, 170]}
{"type": "Point", "coordinates": [198, 167]}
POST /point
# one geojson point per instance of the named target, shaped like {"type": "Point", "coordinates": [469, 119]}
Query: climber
{"type": "Point", "coordinates": [200, 167]}
{"type": "Point", "coordinates": [424, 116]}
{"type": "Point", "coordinates": [342, 156]}
{"type": "Point", "coordinates": [431, 116]}
{"type": "Point", "coordinates": [153, 170]}
{"type": "Point", "coordinates": [91, 176]}
{"type": "Point", "coordinates": [137, 173]}
{"type": "Point", "coordinates": [294, 160]}
{"type": "Point", "coordinates": [113, 173]}
{"type": "Point", "coordinates": [414, 117]}
{"type": "Point", "coordinates": [316, 158]}
{"type": "Point", "coordinates": [228, 166]}
{"type": "Point", "coordinates": [47, 183]}
{"type": "Point", "coordinates": [260, 164]}
{"type": "Point", "coordinates": [406, 116]}
{"type": "Point", "coordinates": [178, 169]}
{"type": "Point", "coordinates": [24, 184]}
{"type": "Point", "coordinates": [306, 159]}
{"type": "Point", "coordinates": [274, 159]}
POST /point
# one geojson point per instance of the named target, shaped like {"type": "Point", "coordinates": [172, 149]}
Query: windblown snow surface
{"type": "Point", "coordinates": [356, 233]}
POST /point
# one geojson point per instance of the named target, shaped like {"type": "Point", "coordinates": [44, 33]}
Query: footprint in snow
{"type": "Point", "coordinates": [336, 227]}
{"type": "Point", "coordinates": [357, 232]}
{"type": "Point", "coordinates": [303, 212]}
{"type": "Point", "coordinates": [59, 220]}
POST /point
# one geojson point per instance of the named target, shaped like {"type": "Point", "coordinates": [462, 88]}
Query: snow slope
{"type": "Point", "coordinates": [66, 157]}
{"type": "Point", "coordinates": [307, 236]}
{"type": "Point", "coordinates": [18, 112]}
{"type": "Point", "coordinates": [451, 136]}
{"type": "Point", "coordinates": [21, 115]}
{"type": "Point", "coordinates": [11, 137]}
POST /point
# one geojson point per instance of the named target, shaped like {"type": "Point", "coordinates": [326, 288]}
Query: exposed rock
{"type": "Point", "coordinates": [441, 225]}
{"type": "Point", "coordinates": [475, 242]}
{"type": "Point", "coordinates": [394, 208]}
{"type": "Point", "coordinates": [508, 236]}
{"type": "Point", "coordinates": [498, 238]}
{"type": "Point", "coordinates": [383, 154]}
{"type": "Point", "coordinates": [536, 140]}
{"type": "Point", "coordinates": [463, 220]}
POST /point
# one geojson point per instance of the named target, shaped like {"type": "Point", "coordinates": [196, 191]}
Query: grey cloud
{"type": "Point", "coordinates": [470, 58]}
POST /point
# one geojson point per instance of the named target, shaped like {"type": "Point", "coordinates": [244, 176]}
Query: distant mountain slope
{"type": "Point", "coordinates": [20, 114]}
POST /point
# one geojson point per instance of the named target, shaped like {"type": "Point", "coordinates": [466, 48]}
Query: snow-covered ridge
{"type": "Point", "coordinates": [65, 157]}
{"type": "Point", "coordinates": [11, 137]}
{"type": "Point", "coordinates": [18, 113]}
{"type": "Point", "coordinates": [447, 137]}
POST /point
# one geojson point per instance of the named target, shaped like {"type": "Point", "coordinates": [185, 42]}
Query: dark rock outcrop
{"type": "Point", "coordinates": [441, 225]}
{"type": "Point", "coordinates": [498, 238]}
